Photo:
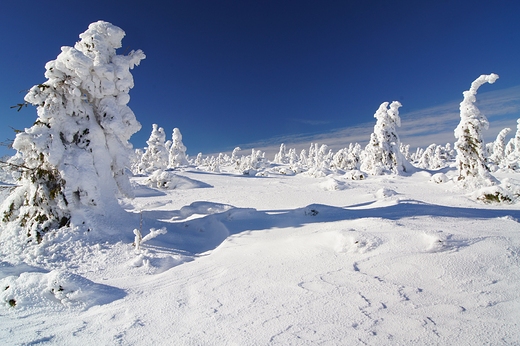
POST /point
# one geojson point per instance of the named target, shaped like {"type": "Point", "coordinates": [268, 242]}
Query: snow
{"type": "Point", "coordinates": [275, 259]}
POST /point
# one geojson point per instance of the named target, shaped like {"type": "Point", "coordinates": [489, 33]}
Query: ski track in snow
{"type": "Point", "coordinates": [291, 261]}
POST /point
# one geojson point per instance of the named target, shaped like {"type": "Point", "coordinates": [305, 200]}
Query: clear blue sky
{"type": "Point", "coordinates": [229, 73]}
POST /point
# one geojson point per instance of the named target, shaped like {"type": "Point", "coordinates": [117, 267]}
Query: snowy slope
{"type": "Point", "coordinates": [281, 260]}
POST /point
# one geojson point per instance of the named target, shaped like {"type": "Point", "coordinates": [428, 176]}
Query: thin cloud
{"type": "Point", "coordinates": [311, 122]}
{"type": "Point", "coordinates": [418, 128]}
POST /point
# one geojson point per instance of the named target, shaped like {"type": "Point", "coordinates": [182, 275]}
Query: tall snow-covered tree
{"type": "Point", "coordinates": [471, 162]}
{"type": "Point", "coordinates": [177, 150]}
{"type": "Point", "coordinates": [155, 155]}
{"type": "Point", "coordinates": [74, 156]}
{"type": "Point", "coordinates": [382, 153]}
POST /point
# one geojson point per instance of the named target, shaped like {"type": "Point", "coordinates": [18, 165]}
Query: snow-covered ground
{"type": "Point", "coordinates": [279, 260]}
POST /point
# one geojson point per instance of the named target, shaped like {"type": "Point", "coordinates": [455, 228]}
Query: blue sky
{"type": "Point", "coordinates": [230, 73]}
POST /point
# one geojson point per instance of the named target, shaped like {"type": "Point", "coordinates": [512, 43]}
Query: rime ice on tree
{"type": "Point", "coordinates": [470, 145]}
{"type": "Point", "coordinates": [74, 156]}
{"type": "Point", "coordinates": [156, 155]}
{"type": "Point", "coordinates": [382, 153]}
{"type": "Point", "coordinates": [498, 157]}
{"type": "Point", "coordinates": [177, 150]}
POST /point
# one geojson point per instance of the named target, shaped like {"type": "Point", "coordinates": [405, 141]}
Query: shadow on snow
{"type": "Point", "coordinates": [203, 226]}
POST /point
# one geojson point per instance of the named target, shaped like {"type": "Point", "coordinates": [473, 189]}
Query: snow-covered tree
{"type": "Point", "coordinates": [512, 151]}
{"type": "Point", "coordinates": [470, 158]}
{"type": "Point", "coordinates": [75, 155]}
{"type": "Point", "coordinates": [304, 158]}
{"type": "Point", "coordinates": [198, 160]}
{"type": "Point", "coordinates": [405, 150]}
{"type": "Point", "coordinates": [433, 157]}
{"type": "Point", "coordinates": [498, 155]}
{"type": "Point", "coordinates": [347, 159]}
{"type": "Point", "coordinates": [177, 150]}
{"type": "Point", "coordinates": [251, 164]}
{"type": "Point", "coordinates": [517, 139]}
{"type": "Point", "coordinates": [382, 153]}
{"type": "Point", "coordinates": [281, 157]}
{"type": "Point", "coordinates": [135, 161]}
{"type": "Point", "coordinates": [234, 154]}
{"type": "Point", "coordinates": [155, 155]}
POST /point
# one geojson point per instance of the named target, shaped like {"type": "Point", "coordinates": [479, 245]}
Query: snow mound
{"type": "Point", "coordinates": [331, 184]}
{"type": "Point", "coordinates": [202, 208]}
{"type": "Point", "coordinates": [54, 290]}
{"type": "Point", "coordinates": [169, 180]}
{"type": "Point", "coordinates": [385, 192]}
{"type": "Point", "coordinates": [353, 241]}
{"type": "Point", "coordinates": [439, 178]}
{"type": "Point", "coordinates": [355, 175]}
{"type": "Point", "coordinates": [439, 241]}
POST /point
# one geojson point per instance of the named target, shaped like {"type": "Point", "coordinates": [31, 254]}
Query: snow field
{"type": "Point", "coordinates": [280, 260]}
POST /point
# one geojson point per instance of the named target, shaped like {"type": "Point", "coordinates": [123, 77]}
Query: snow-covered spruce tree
{"type": "Point", "coordinates": [427, 157]}
{"type": "Point", "coordinates": [155, 155]}
{"type": "Point", "coordinates": [251, 164]}
{"type": "Point", "coordinates": [135, 161]}
{"type": "Point", "coordinates": [498, 155]}
{"type": "Point", "coordinates": [281, 157]}
{"type": "Point", "coordinates": [74, 157]}
{"type": "Point", "coordinates": [512, 151]}
{"type": "Point", "coordinates": [517, 139]}
{"type": "Point", "coordinates": [198, 159]}
{"type": "Point", "coordinates": [347, 159]}
{"type": "Point", "coordinates": [405, 150]}
{"type": "Point", "coordinates": [304, 159]}
{"type": "Point", "coordinates": [177, 150]}
{"type": "Point", "coordinates": [471, 163]}
{"type": "Point", "coordinates": [382, 153]}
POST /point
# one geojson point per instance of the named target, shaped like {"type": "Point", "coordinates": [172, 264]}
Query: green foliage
{"type": "Point", "coordinates": [496, 197]}
{"type": "Point", "coordinates": [39, 210]}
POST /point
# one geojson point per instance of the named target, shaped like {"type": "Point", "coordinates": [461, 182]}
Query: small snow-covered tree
{"type": "Point", "coordinates": [198, 160]}
{"type": "Point", "coordinates": [135, 161]}
{"type": "Point", "coordinates": [281, 157]}
{"type": "Point", "coordinates": [347, 159]}
{"type": "Point", "coordinates": [251, 164]}
{"type": "Point", "coordinates": [405, 150]}
{"type": "Point", "coordinates": [304, 158]}
{"type": "Point", "coordinates": [512, 151]}
{"type": "Point", "coordinates": [470, 158]}
{"type": "Point", "coordinates": [515, 142]}
{"type": "Point", "coordinates": [382, 153]}
{"type": "Point", "coordinates": [433, 157]}
{"type": "Point", "coordinates": [498, 155]}
{"type": "Point", "coordinates": [177, 150]}
{"type": "Point", "coordinates": [155, 155]}
{"type": "Point", "coordinates": [234, 155]}
{"type": "Point", "coordinates": [75, 155]}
